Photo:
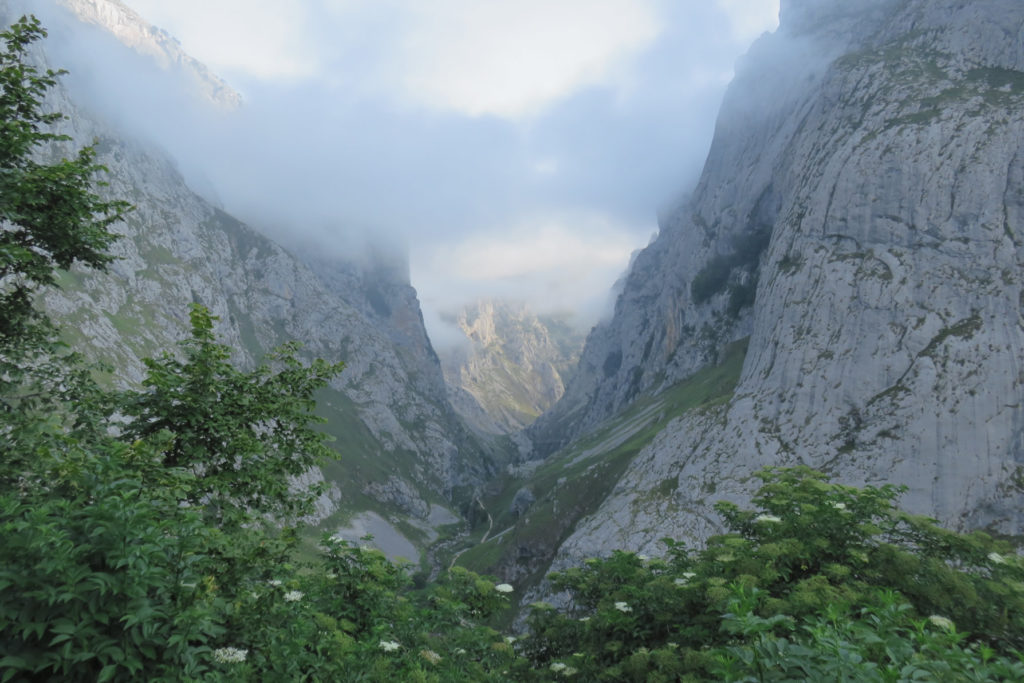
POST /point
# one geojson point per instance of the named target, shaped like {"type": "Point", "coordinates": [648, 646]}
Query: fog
{"type": "Point", "coordinates": [519, 149]}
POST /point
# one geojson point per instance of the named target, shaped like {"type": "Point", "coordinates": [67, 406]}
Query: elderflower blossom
{"type": "Point", "coordinates": [557, 666]}
{"type": "Point", "coordinates": [996, 558]}
{"type": "Point", "coordinates": [837, 506]}
{"type": "Point", "coordinates": [584, 619]}
{"type": "Point", "coordinates": [941, 622]}
{"type": "Point", "coordinates": [569, 671]}
{"type": "Point", "coordinates": [503, 588]}
{"type": "Point", "coordinates": [680, 581]}
{"type": "Point", "coordinates": [274, 582]}
{"type": "Point", "coordinates": [623, 607]}
{"type": "Point", "coordinates": [229, 655]}
{"type": "Point", "coordinates": [510, 639]}
{"type": "Point", "coordinates": [293, 596]}
{"type": "Point", "coordinates": [768, 518]}
{"type": "Point", "coordinates": [388, 645]}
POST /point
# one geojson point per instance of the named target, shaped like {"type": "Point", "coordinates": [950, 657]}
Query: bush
{"type": "Point", "coordinates": [813, 567]}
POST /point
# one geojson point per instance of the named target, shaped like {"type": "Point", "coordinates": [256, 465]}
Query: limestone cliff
{"type": "Point", "coordinates": [861, 219]}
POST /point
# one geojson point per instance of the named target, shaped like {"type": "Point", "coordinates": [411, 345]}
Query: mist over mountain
{"type": "Point", "coordinates": [404, 456]}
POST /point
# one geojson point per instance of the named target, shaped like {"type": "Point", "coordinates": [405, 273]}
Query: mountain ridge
{"type": "Point", "coordinates": [133, 31]}
{"type": "Point", "coordinates": [405, 455]}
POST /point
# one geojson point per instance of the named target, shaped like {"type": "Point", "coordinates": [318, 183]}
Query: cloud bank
{"type": "Point", "coordinates": [517, 147]}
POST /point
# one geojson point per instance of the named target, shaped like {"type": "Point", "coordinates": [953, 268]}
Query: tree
{"type": "Point", "coordinates": [50, 217]}
{"type": "Point", "coordinates": [245, 436]}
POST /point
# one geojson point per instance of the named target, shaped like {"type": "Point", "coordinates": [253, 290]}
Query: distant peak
{"type": "Point", "coordinates": [133, 31]}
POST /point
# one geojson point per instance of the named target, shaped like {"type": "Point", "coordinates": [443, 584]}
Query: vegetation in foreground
{"type": "Point", "coordinates": [151, 534]}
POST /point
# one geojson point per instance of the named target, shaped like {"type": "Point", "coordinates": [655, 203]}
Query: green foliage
{"type": "Point", "coordinates": [49, 219]}
{"type": "Point", "coordinates": [96, 581]}
{"type": "Point", "coordinates": [244, 435]}
{"type": "Point", "coordinates": [818, 582]}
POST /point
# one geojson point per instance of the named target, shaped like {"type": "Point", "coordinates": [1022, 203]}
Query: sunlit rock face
{"type": "Point", "coordinates": [860, 218]}
{"type": "Point", "coordinates": [512, 366]}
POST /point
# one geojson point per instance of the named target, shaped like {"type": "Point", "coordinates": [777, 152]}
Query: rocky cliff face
{"type": "Point", "coordinates": [403, 450]}
{"type": "Point", "coordinates": [860, 218]}
{"type": "Point", "coordinates": [513, 366]}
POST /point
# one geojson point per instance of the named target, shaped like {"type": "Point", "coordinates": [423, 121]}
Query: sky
{"type": "Point", "coordinates": [516, 148]}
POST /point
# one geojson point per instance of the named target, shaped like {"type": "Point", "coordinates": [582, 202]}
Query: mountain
{"type": "Point", "coordinates": [841, 289]}
{"type": "Point", "coordinates": [513, 366]}
{"type": "Point", "coordinates": [132, 30]}
{"type": "Point", "coordinates": [406, 462]}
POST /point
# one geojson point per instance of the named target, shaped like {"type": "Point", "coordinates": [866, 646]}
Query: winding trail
{"type": "Point", "coordinates": [490, 526]}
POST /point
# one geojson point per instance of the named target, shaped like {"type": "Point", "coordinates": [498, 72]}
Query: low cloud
{"type": "Point", "coordinates": [513, 58]}
{"type": "Point", "coordinates": [553, 263]}
{"type": "Point", "coordinates": [518, 149]}
{"type": "Point", "coordinates": [261, 40]}
{"type": "Point", "coordinates": [750, 18]}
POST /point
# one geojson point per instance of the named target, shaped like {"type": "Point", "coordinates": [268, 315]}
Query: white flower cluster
{"type": "Point", "coordinates": [389, 645]}
{"type": "Point", "coordinates": [941, 622]}
{"type": "Point", "coordinates": [996, 558]}
{"type": "Point", "coordinates": [229, 655]}
{"type": "Point", "coordinates": [564, 669]}
{"type": "Point", "coordinates": [623, 607]}
{"type": "Point", "coordinates": [768, 518]}
{"type": "Point", "coordinates": [293, 596]}
{"type": "Point", "coordinates": [684, 579]}
{"type": "Point", "coordinates": [504, 588]}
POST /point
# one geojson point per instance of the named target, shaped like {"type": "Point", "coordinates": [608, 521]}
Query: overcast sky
{"type": "Point", "coordinates": [519, 147]}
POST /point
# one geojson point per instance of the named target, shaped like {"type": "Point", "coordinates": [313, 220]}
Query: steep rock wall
{"type": "Point", "coordinates": [881, 145]}
{"type": "Point", "coordinates": [397, 432]}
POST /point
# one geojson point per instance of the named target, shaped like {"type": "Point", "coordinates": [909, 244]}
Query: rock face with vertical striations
{"type": "Point", "coordinates": [861, 219]}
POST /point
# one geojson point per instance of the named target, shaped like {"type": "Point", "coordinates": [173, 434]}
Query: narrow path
{"type": "Point", "coordinates": [490, 525]}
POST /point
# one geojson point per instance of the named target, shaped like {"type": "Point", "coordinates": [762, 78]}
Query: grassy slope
{"type": "Point", "coordinates": [573, 482]}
